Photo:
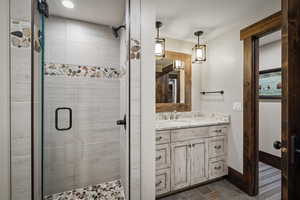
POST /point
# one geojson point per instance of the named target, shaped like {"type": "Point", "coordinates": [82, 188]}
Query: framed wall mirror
{"type": "Point", "coordinates": [173, 82]}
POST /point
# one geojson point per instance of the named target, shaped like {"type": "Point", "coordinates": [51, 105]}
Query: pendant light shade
{"type": "Point", "coordinates": [178, 65]}
{"type": "Point", "coordinates": [159, 42]}
{"type": "Point", "coordinates": [199, 50]}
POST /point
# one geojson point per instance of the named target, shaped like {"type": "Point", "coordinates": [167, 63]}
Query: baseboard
{"type": "Point", "coordinates": [237, 179]}
{"type": "Point", "coordinates": [270, 159]}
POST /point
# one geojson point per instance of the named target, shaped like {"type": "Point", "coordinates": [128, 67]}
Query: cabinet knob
{"type": "Point", "coordinates": [218, 147]}
{"type": "Point", "coordinates": [158, 183]}
{"type": "Point", "coordinates": [218, 168]}
{"type": "Point", "coordinates": [158, 158]}
{"type": "Point", "coordinates": [158, 138]}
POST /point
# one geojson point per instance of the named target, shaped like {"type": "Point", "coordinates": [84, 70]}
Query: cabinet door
{"type": "Point", "coordinates": [162, 184]}
{"type": "Point", "coordinates": [162, 159]}
{"type": "Point", "coordinates": [199, 162]}
{"type": "Point", "coordinates": [180, 165]}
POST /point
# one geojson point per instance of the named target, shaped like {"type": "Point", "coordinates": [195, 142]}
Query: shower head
{"type": "Point", "coordinates": [116, 30]}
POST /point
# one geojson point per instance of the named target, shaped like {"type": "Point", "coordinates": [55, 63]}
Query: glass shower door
{"type": "Point", "coordinates": [85, 85]}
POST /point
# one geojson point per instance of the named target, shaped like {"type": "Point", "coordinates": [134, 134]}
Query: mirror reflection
{"type": "Point", "coordinates": [170, 81]}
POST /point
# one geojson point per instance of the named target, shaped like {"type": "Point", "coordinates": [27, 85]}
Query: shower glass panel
{"type": "Point", "coordinates": [84, 59]}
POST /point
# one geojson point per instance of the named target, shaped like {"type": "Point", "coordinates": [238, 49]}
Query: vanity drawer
{"type": "Point", "coordinates": [162, 137]}
{"type": "Point", "coordinates": [217, 168]}
{"type": "Point", "coordinates": [189, 134]}
{"type": "Point", "coordinates": [217, 130]}
{"type": "Point", "coordinates": [163, 157]}
{"type": "Point", "coordinates": [216, 146]}
{"type": "Point", "coordinates": [162, 181]}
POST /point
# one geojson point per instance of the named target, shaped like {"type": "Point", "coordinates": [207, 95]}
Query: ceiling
{"type": "Point", "coordinates": [182, 18]}
{"type": "Point", "coordinates": [106, 12]}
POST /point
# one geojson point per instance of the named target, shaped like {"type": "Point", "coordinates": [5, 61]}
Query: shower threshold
{"type": "Point", "coordinates": [112, 190]}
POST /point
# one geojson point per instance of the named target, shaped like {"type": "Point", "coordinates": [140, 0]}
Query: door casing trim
{"type": "Point", "coordinates": [250, 37]}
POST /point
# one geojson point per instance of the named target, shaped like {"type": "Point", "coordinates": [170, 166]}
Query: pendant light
{"type": "Point", "coordinates": [159, 43]}
{"type": "Point", "coordinates": [178, 65]}
{"type": "Point", "coordinates": [199, 50]}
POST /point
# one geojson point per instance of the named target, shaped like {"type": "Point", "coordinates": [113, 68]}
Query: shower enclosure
{"type": "Point", "coordinates": [79, 108]}
{"type": "Point", "coordinates": [82, 73]}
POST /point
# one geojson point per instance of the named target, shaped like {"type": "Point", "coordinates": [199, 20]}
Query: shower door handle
{"type": "Point", "coordinates": [70, 119]}
{"type": "Point", "coordinates": [122, 122]}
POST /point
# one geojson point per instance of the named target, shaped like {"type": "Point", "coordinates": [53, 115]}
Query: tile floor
{"type": "Point", "coordinates": [105, 191]}
{"type": "Point", "coordinates": [269, 188]}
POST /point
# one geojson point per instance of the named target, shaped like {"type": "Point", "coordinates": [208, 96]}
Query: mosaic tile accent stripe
{"type": "Point", "coordinates": [53, 69]}
{"type": "Point", "coordinates": [20, 34]}
{"type": "Point", "coordinates": [106, 191]}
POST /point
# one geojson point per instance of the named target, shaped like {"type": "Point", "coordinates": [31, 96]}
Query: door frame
{"type": "Point", "coordinates": [250, 36]}
{"type": "Point", "coordinates": [290, 98]}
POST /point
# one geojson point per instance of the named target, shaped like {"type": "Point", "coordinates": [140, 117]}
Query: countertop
{"type": "Point", "coordinates": [190, 123]}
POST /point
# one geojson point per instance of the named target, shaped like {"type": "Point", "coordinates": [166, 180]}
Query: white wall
{"type": "Point", "coordinates": [4, 102]}
{"type": "Point", "coordinates": [269, 110]}
{"type": "Point", "coordinates": [224, 70]}
{"type": "Point", "coordinates": [186, 47]}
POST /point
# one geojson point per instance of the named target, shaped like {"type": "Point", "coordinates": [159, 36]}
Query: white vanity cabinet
{"type": "Point", "coordinates": [189, 156]}
{"type": "Point", "coordinates": [180, 165]}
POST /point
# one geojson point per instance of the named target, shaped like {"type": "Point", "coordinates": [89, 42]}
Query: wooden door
{"type": "Point", "coordinates": [180, 165]}
{"type": "Point", "coordinates": [290, 99]}
{"type": "Point", "coordinates": [199, 162]}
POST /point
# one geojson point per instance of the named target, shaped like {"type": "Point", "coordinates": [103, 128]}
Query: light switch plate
{"type": "Point", "coordinates": [237, 106]}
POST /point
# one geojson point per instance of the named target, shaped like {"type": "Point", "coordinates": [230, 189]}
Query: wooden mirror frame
{"type": "Point", "coordinates": [180, 107]}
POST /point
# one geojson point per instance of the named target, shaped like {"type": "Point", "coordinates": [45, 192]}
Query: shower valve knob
{"type": "Point", "coordinates": [122, 122]}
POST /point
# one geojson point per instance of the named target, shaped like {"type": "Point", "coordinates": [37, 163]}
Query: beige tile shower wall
{"type": "Point", "coordinates": [4, 102]}
{"type": "Point", "coordinates": [124, 108]}
{"type": "Point", "coordinates": [21, 103]}
{"type": "Point", "coordinates": [80, 43]}
{"type": "Point", "coordinates": [89, 153]}
{"type": "Point", "coordinates": [135, 100]}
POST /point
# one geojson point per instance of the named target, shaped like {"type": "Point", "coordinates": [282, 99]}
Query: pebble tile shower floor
{"type": "Point", "coordinates": [105, 191]}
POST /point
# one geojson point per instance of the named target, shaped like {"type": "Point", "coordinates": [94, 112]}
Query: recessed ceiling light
{"type": "Point", "coordinates": [68, 4]}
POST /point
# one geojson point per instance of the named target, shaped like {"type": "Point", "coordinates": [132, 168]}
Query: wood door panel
{"type": "Point", "coordinates": [162, 137]}
{"type": "Point", "coordinates": [162, 184]}
{"type": "Point", "coordinates": [217, 146]}
{"type": "Point", "coordinates": [217, 168]}
{"type": "Point", "coordinates": [180, 165]}
{"type": "Point", "coordinates": [199, 164]}
{"type": "Point", "coordinates": [162, 159]}
{"type": "Point", "coordinates": [290, 97]}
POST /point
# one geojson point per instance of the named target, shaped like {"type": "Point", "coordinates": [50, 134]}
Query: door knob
{"type": "Point", "coordinates": [278, 145]}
